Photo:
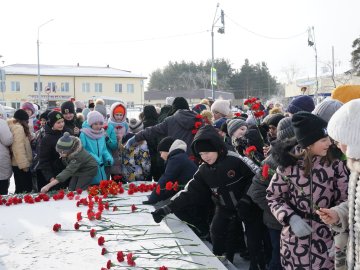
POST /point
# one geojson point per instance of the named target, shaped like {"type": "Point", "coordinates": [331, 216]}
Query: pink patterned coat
{"type": "Point", "coordinates": [289, 189]}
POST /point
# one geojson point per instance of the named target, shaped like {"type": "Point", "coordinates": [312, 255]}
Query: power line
{"type": "Point", "coordinates": [265, 36]}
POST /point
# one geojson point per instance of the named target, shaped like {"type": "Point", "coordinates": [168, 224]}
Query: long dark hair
{"type": "Point", "coordinates": [25, 126]}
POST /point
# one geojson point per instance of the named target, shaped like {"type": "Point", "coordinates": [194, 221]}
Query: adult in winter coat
{"type": "Point", "coordinates": [71, 121]}
{"type": "Point", "coordinates": [222, 176]}
{"type": "Point", "coordinates": [50, 163]}
{"type": "Point", "coordinates": [344, 127]}
{"type": "Point", "coordinates": [178, 126]}
{"type": "Point", "coordinates": [178, 167]}
{"type": "Point", "coordinates": [6, 139]}
{"type": "Point", "coordinates": [157, 164]}
{"type": "Point", "coordinates": [81, 167]}
{"type": "Point", "coordinates": [93, 140]}
{"type": "Point", "coordinates": [305, 180]}
{"type": "Point", "coordinates": [21, 151]}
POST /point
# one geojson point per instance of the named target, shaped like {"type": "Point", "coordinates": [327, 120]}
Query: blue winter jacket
{"type": "Point", "coordinates": [97, 148]}
{"type": "Point", "coordinates": [178, 167]}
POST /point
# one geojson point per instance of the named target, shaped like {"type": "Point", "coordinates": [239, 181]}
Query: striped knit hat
{"type": "Point", "coordinates": [65, 143]}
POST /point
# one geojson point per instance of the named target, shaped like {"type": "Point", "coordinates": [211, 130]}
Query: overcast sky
{"type": "Point", "coordinates": [144, 35]}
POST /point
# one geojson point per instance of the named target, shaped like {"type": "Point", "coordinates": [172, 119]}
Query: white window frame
{"type": "Point", "coordinates": [118, 87]}
{"type": "Point", "coordinates": [15, 105]}
{"type": "Point", "coordinates": [52, 86]}
{"type": "Point", "coordinates": [98, 87]}
{"type": "Point", "coordinates": [65, 87]}
{"type": "Point", "coordinates": [130, 88]}
{"type": "Point", "coordinates": [85, 87]}
{"type": "Point", "coordinates": [15, 86]}
{"type": "Point", "coordinates": [35, 86]}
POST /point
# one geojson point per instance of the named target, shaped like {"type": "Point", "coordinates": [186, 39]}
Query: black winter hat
{"type": "Point", "coordinates": [179, 103]}
{"type": "Point", "coordinates": [68, 107]}
{"type": "Point", "coordinates": [204, 146]}
{"type": "Point", "coordinates": [21, 115]}
{"type": "Point", "coordinates": [308, 128]}
{"type": "Point", "coordinates": [91, 105]}
{"type": "Point", "coordinates": [54, 116]}
{"type": "Point", "coordinates": [274, 119]}
{"type": "Point", "coordinates": [165, 144]}
{"type": "Point", "coordinates": [44, 115]}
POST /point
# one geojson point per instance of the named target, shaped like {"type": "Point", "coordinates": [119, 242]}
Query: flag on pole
{"type": "Point", "coordinates": [213, 76]}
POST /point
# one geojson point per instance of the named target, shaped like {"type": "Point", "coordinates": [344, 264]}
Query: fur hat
{"type": "Point", "coordinates": [308, 128]}
{"type": "Point", "coordinates": [99, 101]}
{"type": "Point", "coordinates": [345, 93]}
{"type": "Point", "coordinates": [234, 124]}
{"type": "Point", "coordinates": [285, 129]}
{"type": "Point", "coordinates": [101, 109]}
{"type": "Point", "coordinates": [28, 106]}
{"type": "Point", "coordinates": [165, 144]}
{"type": "Point", "coordinates": [327, 108]}
{"type": "Point", "coordinates": [95, 117]}
{"type": "Point", "coordinates": [274, 119]}
{"type": "Point", "coordinates": [68, 107]}
{"type": "Point", "coordinates": [301, 103]}
{"type": "Point", "coordinates": [53, 117]}
{"type": "Point", "coordinates": [221, 106]}
{"type": "Point", "coordinates": [79, 104]}
{"type": "Point", "coordinates": [344, 127]}
{"type": "Point", "coordinates": [21, 115]}
{"type": "Point", "coordinates": [65, 143]}
{"type": "Point", "coordinates": [135, 125]}
{"type": "Point", "coordinates": [169, 100]}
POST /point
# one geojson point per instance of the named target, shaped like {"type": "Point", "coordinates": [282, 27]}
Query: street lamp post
{"type": "Point", "coordinates": [38, 61]}
{"type": "Point", "coordinates": [221, 30]}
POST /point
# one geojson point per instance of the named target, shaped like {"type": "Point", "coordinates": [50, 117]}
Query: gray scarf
{"type": "Point", "coordinates": [93, 134]}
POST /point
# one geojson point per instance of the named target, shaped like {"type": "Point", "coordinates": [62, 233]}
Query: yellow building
{"type": "Point", "coordinates": [60, 83]}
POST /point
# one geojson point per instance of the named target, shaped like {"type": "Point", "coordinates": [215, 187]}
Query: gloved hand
{"type": "Point", "coordinates": [130, 142]}
{"type": "Point", "coordinates": [147, 202]}
{"type": "Point", "coordinates": [160, 213]}
{"type": "Point", "coordinates": [244, 208]}
{"type": "Point", "coordinates": [299, 226]}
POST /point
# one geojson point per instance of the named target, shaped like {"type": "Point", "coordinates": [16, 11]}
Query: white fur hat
{"type": "Point", "coordinates": [344, 127]}
{"type": "Point", "coordinates": [221, 106]}
{"type": "Point", "coordinates": [169, 100]}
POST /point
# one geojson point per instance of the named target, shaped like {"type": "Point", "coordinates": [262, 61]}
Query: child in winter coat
{"type": "Point", "coordinates": [81, 167]}
{"type": "Point", "coordinates": [93, 140]}
{"type": "Point", "coordinates": [178, 167]}
{"type": "Point", "coordinates": [222, 176]}
{"type": "Point", "coordinates": [307, 179]}
{"type": "Point", "coordinates": [30, 109]}
{"type": "Point", "coordinates": [21, 151]}
{"type": "Point", "coordinates": [117, 122]}
{"type": "Point", "coordinates": [6, 139]}
{"type": "Point", "coordinates": [70, 119]}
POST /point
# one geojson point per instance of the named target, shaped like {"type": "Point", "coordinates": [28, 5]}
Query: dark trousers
{"type": "Point", "coordinates": [197, 218]}
{"type": "Point", "coordinates": [275, 263]}
{"type": "Point", "coordinates": [23, 180]}
{"type": "Point", "coordinates": [4, 186]}
{"type": "Point", "coordinates": [225, 232]}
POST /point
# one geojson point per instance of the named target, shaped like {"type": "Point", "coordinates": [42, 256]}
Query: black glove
{"type": "Point", "coordinates": [160, 213]}
{"type": "Point", "coordinates": [244, 207]}
{"type": "Point", "coordinates": [147, 202]}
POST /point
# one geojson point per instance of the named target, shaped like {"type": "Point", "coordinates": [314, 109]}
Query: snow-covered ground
{"type": "Point", "coordinates": [27, 240]}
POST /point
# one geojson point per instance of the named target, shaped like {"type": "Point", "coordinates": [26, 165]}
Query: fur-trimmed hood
{"type": "Point", "coordinates": [282, 151]}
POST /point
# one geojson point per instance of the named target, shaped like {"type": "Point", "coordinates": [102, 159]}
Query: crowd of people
{"type": "Point", "coordinates": [278, 185]}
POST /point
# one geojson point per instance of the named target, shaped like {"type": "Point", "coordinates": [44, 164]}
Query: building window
{"type": "Point", "coordinates": [35, 86]}
{"type": "Point", "coordinates": [65, 87]}
{"type": "Point", "coordinates": [15, 86]}
{"type": "Point", "coordinates": [85, 87]}
{"type": "Point", "coordinates": [15, 105]}
{"type": "Point", "coordinates": [118, 88]}
{"type": "Point", "coordinates": [2, 86]}
{"type": "Point", "coordinates": [130, 88]}
{"type": "Point", "coordinates": [98, 87]}
{"type": "Point", "coordinates": [130, 104]}
{"type": "Point", "coordinates": [52, 86]}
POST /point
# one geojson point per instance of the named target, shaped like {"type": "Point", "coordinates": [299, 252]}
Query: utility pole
{"type": "Point", "coordinates": [312, 43]}
{"type": "Point", "coordinates": [221, 30]}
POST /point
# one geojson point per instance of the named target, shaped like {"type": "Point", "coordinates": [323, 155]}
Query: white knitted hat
{"type": "Point", "coordinates": [344, 127]}
{"type": "Point", "coordinates": [221, 106]}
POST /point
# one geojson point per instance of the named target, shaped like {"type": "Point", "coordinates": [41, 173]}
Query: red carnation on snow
{"type": "Point", "coordinates": [92, 233]}
{"type": "Point", "coordinates": [76, 226]}
{"type": "Point", "coordinates": [101, 241]}
{"type": "Point", "coordinates": [120, 256]}
{"type": "Point", "coordinates": [103, 251]}
{"type": "Point", "coordinates": [133, 208]}
{"type": "Point", "coordinates": [56, 227]}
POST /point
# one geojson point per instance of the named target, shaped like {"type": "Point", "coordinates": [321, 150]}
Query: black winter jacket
{"type": "Point", "coordinates": [226, 181]}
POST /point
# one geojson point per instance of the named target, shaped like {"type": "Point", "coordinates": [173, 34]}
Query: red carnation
{"type": "Point", "coordinates": [198, 116]}
{"type": "Point", "coordinates": [250, 150]}
{"type": "Point", "coordinates": [130, 259]}
{"type": "Point", "coordinates": [130, 191]}
{"type": "Point", "coordinates": [109, 264]}
{"type": "Point", "coordinates": [133, 208]}
{"type": "Point", "coordinates": [163, 268]}
{"type": "Point", "coordinates": [265, 171]}
{"type": "Point", "coordinates": [79, 191]}
{"type": "Point", "coordinates": [115, 208]}
{"type": "Point", "coordinates": [255, 106]}
{"type": "Point", "coordinates": [194, 131]}
{"type": "Point", "coordinates": [78, 216]}
{"type": "Point", "coordinates": [158, 189]}
{"type": "Point", "coordinates": [103, 251]}
{"type": "Point", "coordinates": [169, 185]}
{"type": "Point", "coordinates": [56, 227]}
{"type": "Point", "coordinates": [98, 215]}
{"type": "Point", "coordinates": [176, 186]}
{"type": "Point", "coordinates": [92, 233]}
{"type": "Point", "coordinates": [101, 240]}
{"type": "Point", "coordinates": [197, 124]}
{"type": "Point", "coordinates": [120, 256]}
{"type": "Point", "coordinates": [76, 226]}
{"type": "Point", "coordinates": [259, 114]}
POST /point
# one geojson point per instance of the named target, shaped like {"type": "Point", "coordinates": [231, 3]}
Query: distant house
{"type": "Point", "coordinates": [60, 83]}
{"type": "Point", "coordinates": [157, 97]}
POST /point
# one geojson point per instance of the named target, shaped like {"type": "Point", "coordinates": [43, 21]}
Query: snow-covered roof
{"type": "Point", "coordinates": [78, 71]}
